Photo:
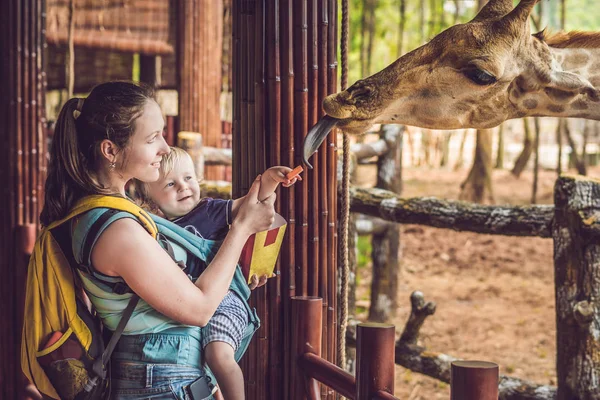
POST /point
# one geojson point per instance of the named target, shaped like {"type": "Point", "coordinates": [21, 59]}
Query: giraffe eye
{"type": "Point", "coordinates": [479, 76]}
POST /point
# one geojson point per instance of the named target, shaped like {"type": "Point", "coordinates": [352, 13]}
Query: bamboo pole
{"type": "Point", "coordinates": [332, 184]}
{"type": "Point", "coordinates": [287, 128]}
{"type": "Point", "coordinates": [312, 174]}
{"type": "Point", "coordinates": [274, 382]}
{"type": "Point", "coordinates": [300, 128]}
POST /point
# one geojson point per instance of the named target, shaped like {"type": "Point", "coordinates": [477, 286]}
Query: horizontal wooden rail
{"type": "Point", "coordinates": [216, 156]}
{"type": "Point", "coordinates": [375, 357]}
{"type": "Point", "coordinates": [331, 375]}
{"type": "Point", "coordinates": [456, 215]}
{"type": "Point", "coordinates": [363, 151]}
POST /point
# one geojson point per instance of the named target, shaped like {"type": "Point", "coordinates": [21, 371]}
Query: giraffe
{"type": "Point", "coordinates": [474, 75]}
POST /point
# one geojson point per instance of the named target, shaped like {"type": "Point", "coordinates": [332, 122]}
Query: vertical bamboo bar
{"type": "Point", "coordinates": [300, 129]}
{"type": "Point", "coordinates": [375, 359]}
{"type": "Point", "coordinates": [474, 380]}
{"type": "Point", "coordinates": [261, 154]}
{"type": "Point", "coordinates": [274, 381]}
{"type": "Point", "coordinates": [332, 185]}
{"type": "Point", "coordinates": [21, 164]}
{"type": "Point", "coordinates": [288, 255]}
{"type": "Point", "coordinates": [243, 87]}
{"type": "Point", "coordinates": [306, 338]}
{"type": "Point", "coordinates": [312, 174]}
{"type": "Point", "coordinates": [324, 270]}
{"type": "Point", "coordinates": [234, 84]}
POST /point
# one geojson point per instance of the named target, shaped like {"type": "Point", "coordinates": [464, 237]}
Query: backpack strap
{"type": "Point", "coordinates": [100, 363]}
{"type": "Point", "coordinates": [92, 228]}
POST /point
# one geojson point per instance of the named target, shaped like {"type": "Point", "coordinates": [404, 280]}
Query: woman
{"type": "Point", "coordinates": [101, 143]}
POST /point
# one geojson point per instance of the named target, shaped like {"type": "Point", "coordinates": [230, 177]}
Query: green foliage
{"type": "Point", "coordinates": [438, 15]}
{"type": "Point", "coordinates": [363, 246]}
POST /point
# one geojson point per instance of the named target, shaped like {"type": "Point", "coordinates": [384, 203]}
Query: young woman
{"type": "Point", "coordinates": [100, 143]}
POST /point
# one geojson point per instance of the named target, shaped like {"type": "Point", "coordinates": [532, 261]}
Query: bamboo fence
{"type": "Point", "coordinates": [284, 63]}
{"type": "Point", "coordinates": [22, 166]}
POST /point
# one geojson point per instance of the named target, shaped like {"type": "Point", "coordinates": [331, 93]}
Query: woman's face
{"type": "Point", "coordinates": [147, 145]}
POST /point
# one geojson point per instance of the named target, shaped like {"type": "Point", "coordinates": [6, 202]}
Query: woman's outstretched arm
{"type": "Point", "coordinates": [125, 249]}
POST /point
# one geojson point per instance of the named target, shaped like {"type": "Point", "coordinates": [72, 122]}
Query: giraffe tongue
{"type": "Point", "coordinates": [317, 135]}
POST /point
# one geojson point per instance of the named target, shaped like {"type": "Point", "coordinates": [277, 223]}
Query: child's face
{"type": "Point", "coordinates": [177, 193]}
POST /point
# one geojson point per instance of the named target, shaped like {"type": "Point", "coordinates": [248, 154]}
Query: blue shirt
{"type": "Point", "coordinates": [210, 219]}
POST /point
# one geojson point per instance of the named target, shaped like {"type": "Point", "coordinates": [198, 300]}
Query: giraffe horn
{"type": "Point", "coordinates": [494, 9]}
{"type": "Point", "coordinates": [521, 12]}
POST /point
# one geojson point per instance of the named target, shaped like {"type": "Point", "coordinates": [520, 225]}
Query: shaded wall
{"type": "Point", "coordinates": [22, 168]}
{"type": "Point", "coordinates": [284, 63]}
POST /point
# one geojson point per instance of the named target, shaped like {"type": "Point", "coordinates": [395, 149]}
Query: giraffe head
{"type": "Point", "coordinates": [472, 75]}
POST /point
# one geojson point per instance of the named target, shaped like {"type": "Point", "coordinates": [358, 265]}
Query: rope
{"type": "Point", "coordinates": [345, 202]}
{"type": "Point", "coordinates": [70, 63]}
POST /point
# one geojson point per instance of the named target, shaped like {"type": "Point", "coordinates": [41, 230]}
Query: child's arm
{"type": "Point", "coordinates": [269, 181]}
{"type": "Point", "coordinates": [271, 178]}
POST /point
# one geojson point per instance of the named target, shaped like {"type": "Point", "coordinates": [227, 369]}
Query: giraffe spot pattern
{"type": "Point", "coordinates": [530, 104]}
{"type": "Point", "coordinates": [556, 108]}
{"type": "Point", "coordinates": [579, 105]}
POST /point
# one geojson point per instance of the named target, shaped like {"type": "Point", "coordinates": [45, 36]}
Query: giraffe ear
{"type": "Point", "coordinates": [565, 86]}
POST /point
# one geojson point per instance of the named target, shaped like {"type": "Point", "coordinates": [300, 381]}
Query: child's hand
{"type": "Point", "coordinates": [255, 282]}
{"type": "Point", "coordinates": [278, 174]}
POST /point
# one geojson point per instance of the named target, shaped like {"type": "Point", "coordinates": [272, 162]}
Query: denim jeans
{"type": "Point", "coordinates": [137, 381]}
{"type": "Point", "coordinates": [155, 366]}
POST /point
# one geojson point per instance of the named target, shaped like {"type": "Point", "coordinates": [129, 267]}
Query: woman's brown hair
{"type": "Point", "coordinates": [109, 112]}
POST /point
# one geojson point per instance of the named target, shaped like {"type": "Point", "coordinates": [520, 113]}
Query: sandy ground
{"type": "Point", "coordinates": [494, 294]}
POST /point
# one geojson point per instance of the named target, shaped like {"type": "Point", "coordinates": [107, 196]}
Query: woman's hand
{"type": "Point", "coordinates": [253, 215]}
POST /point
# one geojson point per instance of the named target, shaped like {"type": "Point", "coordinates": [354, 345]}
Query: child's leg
{"type": "Point", "coordinates": [221, 360]}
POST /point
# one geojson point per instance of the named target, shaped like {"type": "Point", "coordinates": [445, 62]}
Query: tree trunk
{"type": "Point", "coordinates": [456, 11]}
{"type": "Point", "coordinates": [461, 150]}
{"type": "Point", "coordinates": [579, 163]}
{"type": "Point", "coordinates": [401, 28]}
{"type": "Point", "coordinates": [478, 185]}
{"type": "Point", "coordinates": [432, 19]}
{"type": "Point", "coordinates": [363, 39]}
{"type": "Point", "coordinates": [371, 33]}
{"type": "Point", "coordinates": [523, 158]}
{"type": "Point", "coordinates": [577, 268]}
{"type": "Point", "coordinates": [559, 135]}
{"type": "Point", "coordinates": [386, 245]}
{"type": "Point", "coordinates": [445, 143]}
{"type": "Point", "coordinates": [422, 21]}
{"type": "Point", "coordinates": [500, 150]}
{"type": "Point", "coordinates": [536, 164]}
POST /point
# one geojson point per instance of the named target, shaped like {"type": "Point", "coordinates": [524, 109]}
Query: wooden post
{"type": "Point", "coordinates": [192, 143]}
{"type": "Point", "coordinates": [306, 338]}
{"type": "Point", "coordinates": [199, 53]}
{"type": "Point", "coordinates": [576, 272]}
{"type": "Point", "coordinates": [386, 244]}
{"type": "Point", "coordinates": [474, 380]}
{"type": "Point", "coordinates": [375, 359]}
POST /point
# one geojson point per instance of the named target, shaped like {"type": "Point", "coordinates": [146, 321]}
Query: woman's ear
{"type": "Point", "coordinates": [109, 150]}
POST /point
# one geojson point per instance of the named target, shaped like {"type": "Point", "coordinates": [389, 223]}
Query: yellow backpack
{"type": "Point", "coordinates": [56, 321]}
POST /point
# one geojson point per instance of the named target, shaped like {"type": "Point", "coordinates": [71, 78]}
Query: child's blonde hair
{"type": "Point", "coordinates": [167, 163]}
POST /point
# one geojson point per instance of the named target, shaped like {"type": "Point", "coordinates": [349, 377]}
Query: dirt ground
{"type": "Point", "coordinates": [494, 294]}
